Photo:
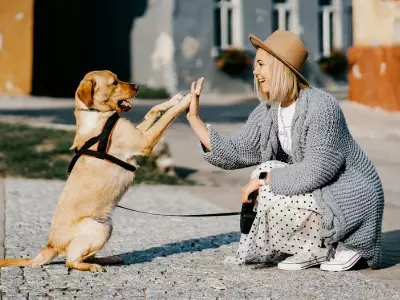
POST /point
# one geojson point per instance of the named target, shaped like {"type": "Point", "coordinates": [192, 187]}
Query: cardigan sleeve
{"type": "Point", "coordinates": [242, 148]}
{"type": "Point", "coordinates": [322, 156]}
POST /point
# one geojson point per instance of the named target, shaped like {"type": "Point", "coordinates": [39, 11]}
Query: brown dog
{"type": "Point", "coordinates": [81, 223]}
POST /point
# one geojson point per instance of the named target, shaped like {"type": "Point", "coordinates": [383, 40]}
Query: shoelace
{"type": "Point", "coordinates": [301, 257]}
{"type": "Point", "coordinates": [339, 255]}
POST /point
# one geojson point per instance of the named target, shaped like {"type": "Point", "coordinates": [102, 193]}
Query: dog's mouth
{"type": "Point", "coordinates": [124, 105]}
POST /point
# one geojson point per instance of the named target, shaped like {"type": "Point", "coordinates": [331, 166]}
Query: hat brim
{"type": "Point", "coordinates": [257, 43]}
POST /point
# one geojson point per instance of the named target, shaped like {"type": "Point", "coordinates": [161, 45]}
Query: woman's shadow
{"type": "Point", "coordinates": [390, 251]}
{"type": "Point", "coordinates": [390, 248]}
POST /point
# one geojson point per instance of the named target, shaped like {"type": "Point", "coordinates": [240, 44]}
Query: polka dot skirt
{"type": "Point", "coordinates": [283, 224]}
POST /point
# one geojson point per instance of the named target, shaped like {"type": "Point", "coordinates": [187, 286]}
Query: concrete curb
{"type": "Point", "coordinates": [2, 216]}
{"type": "Point", "coordinates": [2, 221]}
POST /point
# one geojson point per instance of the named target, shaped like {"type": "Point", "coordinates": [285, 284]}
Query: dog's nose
{"type": "Point", "coordinates": [135, 86]}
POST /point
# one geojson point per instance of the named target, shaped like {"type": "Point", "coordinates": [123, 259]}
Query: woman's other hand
{"type": "Point", "coordinates": [249, 188]}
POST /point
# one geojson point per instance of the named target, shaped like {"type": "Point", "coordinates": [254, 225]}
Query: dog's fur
{"type": "Point", "coordinates": [81, 223]}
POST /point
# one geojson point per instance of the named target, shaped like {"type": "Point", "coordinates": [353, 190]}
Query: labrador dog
{"type": "Point", "coordinates": [81, 223]}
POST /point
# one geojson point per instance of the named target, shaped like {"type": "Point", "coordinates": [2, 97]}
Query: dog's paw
{"type": "Point", "coordinates": [186, 99]}
{"type": "Point", "coordinates": [176, 98]}
{"type": "Point", "coordinates": [96, 268]}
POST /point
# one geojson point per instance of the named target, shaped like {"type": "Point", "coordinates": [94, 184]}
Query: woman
{"type": "Point", "coordinates": [320, 198]}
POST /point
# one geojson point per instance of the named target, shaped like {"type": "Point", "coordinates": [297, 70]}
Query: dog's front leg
{"type": "Point", "coordinates": [151, 137]}
{"type": "Point", "coordinates": [155, 112]}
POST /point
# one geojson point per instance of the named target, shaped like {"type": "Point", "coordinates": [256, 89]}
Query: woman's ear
{"type": "Point", "coordinates": [85, 91]}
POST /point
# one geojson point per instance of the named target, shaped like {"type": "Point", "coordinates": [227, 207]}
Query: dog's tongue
{"type": "Point", "coordinates": [124, 105]}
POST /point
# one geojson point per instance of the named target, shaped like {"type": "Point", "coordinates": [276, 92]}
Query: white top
{"type": "Point", "coordinates": [285, 117]}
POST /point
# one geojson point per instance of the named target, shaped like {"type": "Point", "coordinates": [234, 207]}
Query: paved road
{"type": "Point", "coordinates": [166, 258]}
{"type": "Point", "coordinates": [175, 258]}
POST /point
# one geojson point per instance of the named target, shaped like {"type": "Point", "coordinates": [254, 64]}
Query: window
{"type": "Point", "coordinates": [228, 24]}
{"type": "Point", "coordinates": [330, 26]}
{"type": "Point", "coordinates": [284, 15]}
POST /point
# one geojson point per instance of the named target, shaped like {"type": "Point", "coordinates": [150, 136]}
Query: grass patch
{"type": "Point", "coordinates": [44, 153]}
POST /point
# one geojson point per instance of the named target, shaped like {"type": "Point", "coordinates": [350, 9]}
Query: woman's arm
{"type": "Point", "coordinates": [198, 126]}
{"type": "Point", "coordinates": [322, 157]}
{"type": "Point", "coordinates": [240, 150]}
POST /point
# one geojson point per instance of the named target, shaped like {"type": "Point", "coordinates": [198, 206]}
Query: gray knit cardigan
{"type": "Point", "coordinates": [326, 161]}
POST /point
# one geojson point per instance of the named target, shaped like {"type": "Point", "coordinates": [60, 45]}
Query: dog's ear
{"type": "Point", "coordinates": [85, 91]}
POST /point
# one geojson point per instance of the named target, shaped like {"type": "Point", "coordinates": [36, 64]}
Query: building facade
{"type": "Point", "coordinates": [178, 41]}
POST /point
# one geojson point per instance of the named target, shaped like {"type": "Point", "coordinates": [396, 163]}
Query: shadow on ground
{"type": "Point", "coordinates": [191, 245]}
{"type": "Point", "coordinates": [390, 248]}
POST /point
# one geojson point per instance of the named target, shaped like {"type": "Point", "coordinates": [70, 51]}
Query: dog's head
{"type": "Point", "coordinates": [102, 90]}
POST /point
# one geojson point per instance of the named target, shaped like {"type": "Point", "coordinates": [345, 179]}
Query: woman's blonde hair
{"type": "Point", "coordinates": [284, 84]}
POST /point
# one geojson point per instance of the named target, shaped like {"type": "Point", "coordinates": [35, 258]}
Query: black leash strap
{"type": "Point", "coordinates": [102, 148]}
{"type": "Point", "coordinates": [183, 216]}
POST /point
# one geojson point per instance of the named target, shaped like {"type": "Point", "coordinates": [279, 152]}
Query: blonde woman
{"type": "Point", "coordinates": [320, 199]}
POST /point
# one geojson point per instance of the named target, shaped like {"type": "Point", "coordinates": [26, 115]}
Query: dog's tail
{"type": "Point", "coordinates": [44, 256]}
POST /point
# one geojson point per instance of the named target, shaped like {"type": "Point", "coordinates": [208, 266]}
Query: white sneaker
{"type": "Point", "coordinates": [302, 261]}
{"type": "Point", "coordinates": [343, 260]}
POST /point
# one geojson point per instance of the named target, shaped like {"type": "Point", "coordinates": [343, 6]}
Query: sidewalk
{"type": "Point", "coordinates": [176, 258]}
{"type": "Point", "coordinates": [166, 258]}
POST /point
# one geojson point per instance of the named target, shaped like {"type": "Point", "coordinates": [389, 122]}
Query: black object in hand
{"type": "Point", "coordinates": [247, 214]}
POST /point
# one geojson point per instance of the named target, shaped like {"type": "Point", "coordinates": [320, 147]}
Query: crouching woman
{"type": "Point", "coordinates": [320, 199]}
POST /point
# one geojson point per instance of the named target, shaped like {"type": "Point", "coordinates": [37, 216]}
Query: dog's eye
{"type": "Point", "coordinates": [115, 82]}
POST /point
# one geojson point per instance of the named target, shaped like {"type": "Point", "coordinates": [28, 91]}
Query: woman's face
{"type": "Point", "coordinates": [261, 71]}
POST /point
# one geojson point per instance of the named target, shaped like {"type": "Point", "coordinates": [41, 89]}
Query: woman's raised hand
{"type": "Point", "coordinates": [193, 110]}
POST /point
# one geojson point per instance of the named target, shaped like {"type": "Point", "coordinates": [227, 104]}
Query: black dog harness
{"type": "Point", "coordinates": [101, 153]}
{"type": "Point", "coordinates": [103, 138]}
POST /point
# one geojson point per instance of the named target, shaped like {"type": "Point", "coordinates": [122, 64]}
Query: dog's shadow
{"type": "Point", "coordinates": [148, 255]}
{"type": "Point", "coordinates": [190, 245]}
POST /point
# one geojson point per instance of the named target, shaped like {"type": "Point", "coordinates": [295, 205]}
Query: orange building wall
{"type": "Point", "coordinates": [16, 46]}
{"type": "Point", "coordinates": [374, 73]}
{"type": "Point", "coordinates": [374, 76]}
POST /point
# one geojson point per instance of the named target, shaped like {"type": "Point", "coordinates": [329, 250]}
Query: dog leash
{"type": "Point", "coordinates": [183, 216]}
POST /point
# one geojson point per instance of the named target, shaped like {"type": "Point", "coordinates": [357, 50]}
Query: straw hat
{"type": "Point", "coordinates": [287, 47]}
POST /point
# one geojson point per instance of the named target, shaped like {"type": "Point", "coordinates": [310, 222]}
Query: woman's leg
{"type": "Point", "coordinates": [257, 247]}
{"type": "Point", "coordinates": [250, 250]}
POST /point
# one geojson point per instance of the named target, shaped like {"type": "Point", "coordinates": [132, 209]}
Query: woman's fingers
{"type": "Point", "coordinates": [245, 195]}
{"type": "Point", "coordinates": [194, 103]}
{"type": "Point", "coordinates": [192, 87]}
{"type": "Point", "coordinates": [195, 90]}
{"type": "Point", "coordinates": [199, 86]}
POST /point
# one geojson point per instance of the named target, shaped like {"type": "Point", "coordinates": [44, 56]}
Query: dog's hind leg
{"type": "Point", "coordinates": [91, 237]}
{"type": "Point", "coordinates": [79, 249]}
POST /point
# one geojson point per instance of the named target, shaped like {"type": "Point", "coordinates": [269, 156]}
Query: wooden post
{"type": "Point", "coordinates": [374, 60]}
{"type": "Point", "coordinates": [16, 46]}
